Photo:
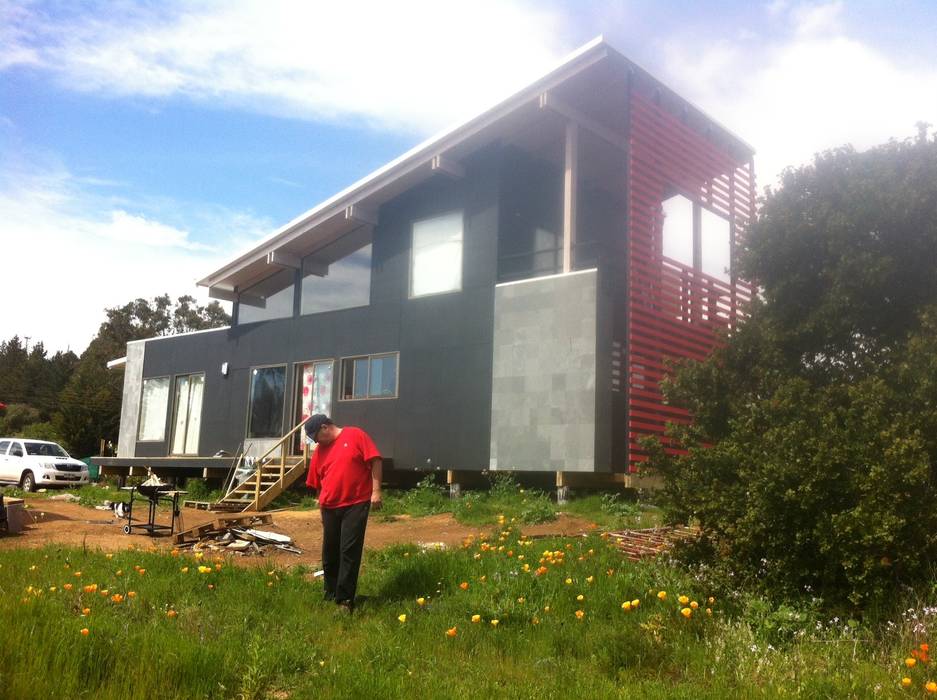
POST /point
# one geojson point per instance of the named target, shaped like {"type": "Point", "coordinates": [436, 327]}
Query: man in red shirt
{"type": "Point", "coordinates": [346, 469]}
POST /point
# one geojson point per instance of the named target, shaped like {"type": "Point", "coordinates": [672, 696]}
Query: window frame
{"type": "Point", "coordinates": [370, 358]}
{"type": "Point", "coordinates": [461, 213]}
{"type": "Point", "coordinates": [175, 410]}
{"type": "Point", "coordinates": [250, 397]}
{"type": "Point", "coordinates": [169, 400]}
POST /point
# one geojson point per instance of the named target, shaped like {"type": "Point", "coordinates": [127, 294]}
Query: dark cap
{"type": "Point", "coordinates": [314, 423]}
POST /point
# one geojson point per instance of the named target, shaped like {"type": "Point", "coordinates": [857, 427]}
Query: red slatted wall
{"type": "Point", "coordinates": [673, 310]}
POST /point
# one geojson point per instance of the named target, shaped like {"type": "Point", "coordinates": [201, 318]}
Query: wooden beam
{"type": "Point", "coordinates": [361, 213]}
{"type": "Point", "coordinates": [316, 267]}
{"type": "Point", "coordinates": [447, 166]}
{"type": "Point", "coordinates": [231, 295]}
{"type": "Point", "coordinates": [222, 294]}
{"type": "Point", "coordinates": [549, 101]}
{"type": "Point", "coordinates": [570, 187]}
{"type": "Point", "coordinates": [283, 259]}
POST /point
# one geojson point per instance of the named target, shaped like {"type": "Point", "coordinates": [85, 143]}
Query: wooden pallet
{"type": "Point", "coordinates": [650, 542]}
{"type": "Point", "coordinates": [219, 524]}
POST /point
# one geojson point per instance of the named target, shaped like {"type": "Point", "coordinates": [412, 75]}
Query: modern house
{"type": "Point", "coordinates": [505, 296]}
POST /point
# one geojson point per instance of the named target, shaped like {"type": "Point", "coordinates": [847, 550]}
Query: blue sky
{"type": "Point", "coordinates": [142, 144]}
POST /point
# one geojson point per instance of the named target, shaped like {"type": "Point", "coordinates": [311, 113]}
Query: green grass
{"type": "Point", "coordinates": [505, 497]}
{"type": "Point", "coordinates": [262, 633]}
{"type": "Point", "coordinates": [613, 511]}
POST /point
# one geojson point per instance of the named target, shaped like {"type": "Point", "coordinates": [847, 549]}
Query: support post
{"type": "Point", "coordinates": [455, 488]}
{"type": "Point", "coordinates": [562, 490]}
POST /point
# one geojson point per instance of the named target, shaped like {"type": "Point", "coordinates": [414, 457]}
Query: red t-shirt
{"type": "Point", "coordinates": [340, 470]}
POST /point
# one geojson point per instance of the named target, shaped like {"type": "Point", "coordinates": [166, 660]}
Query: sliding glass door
{"type": "Point", "coordinates": [187, 414]}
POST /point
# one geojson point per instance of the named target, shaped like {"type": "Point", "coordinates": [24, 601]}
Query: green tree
{"type": "Point", "coordinates": [89, 405]}
{"type": "Point", "coordinates": [812, 461]}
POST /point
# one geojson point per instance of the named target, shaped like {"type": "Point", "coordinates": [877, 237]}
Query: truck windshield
{"type": "Point", "coordinates": [45, 449]}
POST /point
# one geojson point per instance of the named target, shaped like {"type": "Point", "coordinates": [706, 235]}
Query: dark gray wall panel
{"type": "Point", "coordinates": [443, 409]}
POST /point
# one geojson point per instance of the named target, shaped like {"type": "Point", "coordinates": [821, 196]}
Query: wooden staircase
{"type": "Point", "coordinates": [276, 470]}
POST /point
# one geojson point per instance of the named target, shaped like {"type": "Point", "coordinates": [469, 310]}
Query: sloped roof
{"type": "Point", "coordinates": [354, 208]}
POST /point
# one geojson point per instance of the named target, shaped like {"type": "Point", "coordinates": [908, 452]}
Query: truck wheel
{"type": "Point", "coordinates": [28, 482]}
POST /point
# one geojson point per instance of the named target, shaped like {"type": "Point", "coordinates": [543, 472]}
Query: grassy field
{"type": "Point", "coordinates": [550, 624]}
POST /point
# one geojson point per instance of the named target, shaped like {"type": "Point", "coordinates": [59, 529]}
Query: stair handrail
{"type": "Point", "coordinates": [282, 445]}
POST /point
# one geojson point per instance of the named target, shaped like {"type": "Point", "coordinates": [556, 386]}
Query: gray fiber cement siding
{"type": "Point", "coordinates": [130, 402]}
{"type": "Point", "coordinates": [543, 398]}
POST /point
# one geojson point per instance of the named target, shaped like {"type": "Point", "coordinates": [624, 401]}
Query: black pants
{"type": "Point", "coordinates": [342, 544]}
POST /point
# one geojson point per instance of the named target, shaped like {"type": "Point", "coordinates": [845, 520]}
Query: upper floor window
{"type": "Point", "coordinates": [678, 229]}
{"type": "Point", "coordinates": [697, 237]}
{"type": "Point", "coordinates": [715, 245]}
{"type": "Point", "coordinates": [345, 284]}
{"type": "Point", "coordinates": [268, 299]}
{"type": "Point", "coordinates": [436, 255]}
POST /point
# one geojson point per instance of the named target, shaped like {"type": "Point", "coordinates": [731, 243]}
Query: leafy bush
{"type": "Point", "coordinates": [812, 463]}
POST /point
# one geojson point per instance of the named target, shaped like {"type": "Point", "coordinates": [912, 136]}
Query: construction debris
{"type": "Point", "coordinates": [67, 497]}
{"type": "Point", "coordinates": [652, 541]}
{"type": "Point", "coordinates": [233, 534]}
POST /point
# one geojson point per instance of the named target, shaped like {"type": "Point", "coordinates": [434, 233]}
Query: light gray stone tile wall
{"type": "Point", "coordinates": [543, 385]}
{"type": "Point", "coordinates": [130, 404]}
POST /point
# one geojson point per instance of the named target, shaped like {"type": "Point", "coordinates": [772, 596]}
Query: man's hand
{"type": "Point", "coordinates": [376, 501]}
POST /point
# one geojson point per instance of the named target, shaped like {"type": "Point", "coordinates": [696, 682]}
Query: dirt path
{"type": "Point", "coordinates": [56, 522]}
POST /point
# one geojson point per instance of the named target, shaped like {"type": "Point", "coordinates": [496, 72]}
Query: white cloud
{"type": "Point", "coordinates": [810, 19]}
{"type": "Point", "coordinates": [812, 89]}
{"type": "Point", "coordinates": [420, 64]}
{"type": "Point", "coordinates": [68, 256]}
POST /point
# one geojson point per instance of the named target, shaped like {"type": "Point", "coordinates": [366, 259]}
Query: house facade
{"type": "Point", "coordinates": [505, 296]}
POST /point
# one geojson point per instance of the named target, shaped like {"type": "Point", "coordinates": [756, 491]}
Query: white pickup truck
{"type": "Point", "coordinates": [38, 463]}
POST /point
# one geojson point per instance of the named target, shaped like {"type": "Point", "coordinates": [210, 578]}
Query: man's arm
{"type": "Point", "coordinates": [377, 473]}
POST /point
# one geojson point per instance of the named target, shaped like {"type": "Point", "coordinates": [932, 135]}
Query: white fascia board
{"type": "Point", "coordinates": [178, 335]}
{"type": "Point", "coordinates": [119, 362]}
{"type": "Point", "coordinates": [417, 156]}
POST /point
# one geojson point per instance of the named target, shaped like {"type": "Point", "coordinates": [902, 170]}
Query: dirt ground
{"type": "Point", "coordinates": [62, 523]}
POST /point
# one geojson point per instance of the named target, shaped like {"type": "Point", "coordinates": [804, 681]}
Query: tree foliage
{"type": "Point", "coordinates": [77, 400]}
{"type": "Point", "coordinates": [812, 462]}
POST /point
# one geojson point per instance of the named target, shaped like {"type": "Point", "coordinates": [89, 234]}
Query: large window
{"type": "Point", "coordinates": [370, 376]}
{"type": "Point", "coordinates": [436, 257]}
{"type": "Point", "coordinates": [697, 237]}
{"type": "Point", "coordinates": [346, 284]}
{"type": "Point", "coordinates": [678, 229]}
{"type": "Point", "coordinates": [268, 391]}
{"type": "Point", "coordinates": [187, 414]}
{"type": "Point", "coordinates": [715, 246]}
{"type": "Point", "coordinates": [153, 404]}
{"type": "Point", "coordinates": [271, 298]}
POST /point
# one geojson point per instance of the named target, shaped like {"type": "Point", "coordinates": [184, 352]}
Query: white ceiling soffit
{"type": "Point", "coordinates": [352, 203]}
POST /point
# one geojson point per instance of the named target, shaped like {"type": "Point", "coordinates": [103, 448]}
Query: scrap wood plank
{"type": "Point", "coordinates": [198, 505]}
{"type": "Point", "coordinates": [224, 521]}
{"type": "Point", "coordinates": [219, 524]}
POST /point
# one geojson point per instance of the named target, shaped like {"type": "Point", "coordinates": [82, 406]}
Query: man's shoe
{"type": "Point", "coordinates": [344, 608]}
